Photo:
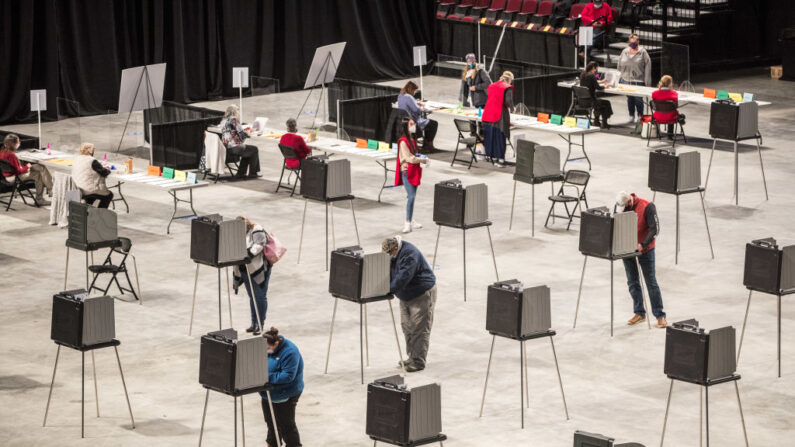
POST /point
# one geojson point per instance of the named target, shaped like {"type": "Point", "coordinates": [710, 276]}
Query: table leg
{"type": "Point", "coordinates": [124, 385]}
{"type": "Point", "coordinates": [173, 214]}
{"type": "Point", "coordinates": [488, 368]}
{"type": "Point", "coordinates": [242, 422]}
{"type": "Point", "coordinates": [325, 254]}
{"type": "Point", "coordinates": [521, 378]}
{"type": "Point", "coordinates": [193, 306]}
{"type": "Point", "coordinates": [676, 258]}
{"type": "Point", "coordinates": [273, 418]}
{"type": "Point", "coordinates": [643, 291]}
{"type": "Point", "coordinates": [366, 338]}
{"type": "Point", "coordinates": [138, 283]}
{"type": "Point", "coordinates": [333, 234]}
{"type": "Point", "coordinates": [301, 237]}
{"type": "Point", "coordinates": [331, 334]}
{"type": "Point", "coordinates": [532, 210]}
{"type": "Point", "coordinates": [229, 297]}
{"type": "Point", "coordinates": [579, 291]}
{"type": "Point", "coordinates": [779, 336]}
{"type": "Point", "coordinates": [235, 406]}
{"type": "Point", "coordinates": [700, 416]}
{"type": "Point", "coordinates": [706, 408]}
{"type": "Point", "coordinates": [52, 383]}
{"type": "Point", "coordinates": [87, 272]}
{"type": "Point", "coordinates": [220, 325]}
{"type": "Point", "coordinates": [361, 341]}
{"type": "Point", "coordinates": [256, 308]}
{"type": "Point", "coordinates": [83, 396]}
{"type": "Point", "coordinates": [736, 202]}
{"type": "Point", "coordinates": [383, 185]}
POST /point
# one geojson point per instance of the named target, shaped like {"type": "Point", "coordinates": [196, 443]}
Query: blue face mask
{"type": "Point", "coordinates": [471, 66]}
{"type": "Point", "coordinates": [633, 45]}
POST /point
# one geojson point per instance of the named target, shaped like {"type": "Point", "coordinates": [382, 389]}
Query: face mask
{"type": "Point", "coordinates": [471, 66]}
{"type": "Point", "coordinates": [413, 129]}
{"type": "Point", "coordinates": [270, 351]}
{"type": "Point", "coordinates": [633, 45]}
{"type": "Point", "coordinates": [597, 4]}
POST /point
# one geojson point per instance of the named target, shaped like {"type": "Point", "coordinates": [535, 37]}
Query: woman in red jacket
{"type": "Point", "coordinates": [666, 92]}
{"type": "Point", "coordinates": [295, 141]}
{"type": "Point", "coordinates": [408, 171]}
{"type": "Point", "coordinates": [38, 173]}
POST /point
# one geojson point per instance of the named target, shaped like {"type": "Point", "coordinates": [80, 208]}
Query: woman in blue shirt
{"type": "Point", "coordinates": [286, 377]}
{"type": "Point", "coordinates": [428, 127]}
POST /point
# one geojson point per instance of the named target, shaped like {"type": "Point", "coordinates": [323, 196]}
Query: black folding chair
{"type": "Point", "coordinates": [469, 137]}
{"type": "Point", "coordinates": [666, 107]}
{"type": "Point", "coordinates": [578, 181]}
{"type": "Point", "coordinates": [17, 185]}
{"type": "Point", "coordinates": [289, 152]}
{"type": "Point", "coordinates": [582, 103]}
{"type": "Point", "coordinates": [108, 267]}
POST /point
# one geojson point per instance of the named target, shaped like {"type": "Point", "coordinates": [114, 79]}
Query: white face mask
{"type": "Point", "coordinates": [270, 351]}
{"type": "Point", "coordinates": [413, 129]}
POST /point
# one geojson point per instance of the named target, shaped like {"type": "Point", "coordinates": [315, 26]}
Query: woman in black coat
{"type": "Point", "coordinates": [602, 107]}
{"type": "Point", "coordinates": [475, 83]}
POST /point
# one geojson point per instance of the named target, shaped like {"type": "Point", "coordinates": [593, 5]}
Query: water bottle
{"type": "Point", "coordinates": [480, 112]}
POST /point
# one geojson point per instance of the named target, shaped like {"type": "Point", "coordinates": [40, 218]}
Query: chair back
{"type": "Point", "coordinates": [125, 244]}
{"type": "Point", "coordinates": [463, 126]}
{"type": "Point", "coordinates": [545, 8]}
{"type": "Point", "coordinates": [577, 177]}
{"type": "Point", "coordinates": [6, 168]}
{"type": "Point", "coordinates": [288, 151]}
{"type": "Point", "coordinates": [666, 106]}
{"type": "Point", "coordinates": [513, 6]}
{"type": "Point", "coordinates": [529, 7]}
{"type": "Point", "coordinates": [498, 5]}
{"type": "Point", "coordinates": [582, 97]}
{"type": "Point", "coordinates": [576, 10]}
{"type": "Point", "coordinates": [482, 3]}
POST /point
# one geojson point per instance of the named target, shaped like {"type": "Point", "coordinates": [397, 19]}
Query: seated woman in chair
{"type": "Point", "coordinates": [89, 174]}
{"type": "Point", "coordinates": [295, 141]}
{"type": "Point", "coordinates": [665, 92]}
{"type": "Point", "coordinates": [38, 173]}
{"type": "Point", "coordinates": [428, 127]}
{"type": "Point", "coordinates": [234, 136]}
{"type": "Point", "coordinates": [602, 107]}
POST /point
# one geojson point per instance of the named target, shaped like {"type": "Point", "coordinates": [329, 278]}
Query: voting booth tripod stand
{"type": "Point", "coordinates": [704, 406]}
{"type": "Point", "coordinates": [641, 281]}
{"type": "Point", "coordinates": [240, 394]}
{"type": "Point", "coordinates": [533, 200]}
{"type": "Point", "coordinates": [524, 393]}
{"type": "Point", "coordinates": [778, 307]}
{"type": "Point", "coordinates": [464, 229]}
{"type": "Point", "coordinates": [150, 103]}
{"type": "Point", "coordinates": [218, 267]}
{"type": "Point", "coordinates": [83, 349]}
{"type": "Point", "coordinates": [364, 344]}
{"type": "Point", "coordinates": [700, 192]}
{"type": "Point", "coordinates": [89, 250]}
{"type": "Point", "coordinates": [757, 138]}
{"type": "Point", "coordinates": [320, 78]}
{"type": "Point", "coordinates": [329, 204]}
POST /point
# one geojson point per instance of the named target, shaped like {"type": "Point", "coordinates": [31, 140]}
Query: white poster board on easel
{"type": "Point", "coordinates": [38, 103]}
{"type": "Point", "coordinates": [240, 81]}
{"type": "Point", "coordinates": [420, 59]}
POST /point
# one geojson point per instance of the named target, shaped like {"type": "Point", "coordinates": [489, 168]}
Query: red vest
{"type": "Point", "coordinates": [643, 226]}
{"type": "Point", "coordinates": [413, 172]}
{"type": "Point", "coordinates": [493, 110]}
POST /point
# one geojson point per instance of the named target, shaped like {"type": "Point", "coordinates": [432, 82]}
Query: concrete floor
{"type": "Point", "coordinates": [615, 386]}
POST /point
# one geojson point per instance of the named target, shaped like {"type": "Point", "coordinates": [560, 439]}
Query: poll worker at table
{"type": "Point", "coordinates": [412, 281]}
{"type": "Point", "coordinates": [295, 141]}
{"type": "Point", "coordinates": [497, 118]}
{"type": "Point", "coordinates": [665, 92]}
{"type": "Point", "coordinates": [428, 127]}
{"type": "Point", "coordinates": [602, 107]}
{"type": "Point", "coordinates": [648, 229]}
{"type": "Point", "coordinates": [475, 82]}
{"type": "Point", "coordinates": [88, 174]}
{"type": "Point", "coordinates": [408, 171]}
{"type": "Point", "coordinates": [234, 136]}
{"type": "Point", "coordinates": [286, 377]}
{"type": "Point", "coordinates": [634, 64]}
{"type": "Point", "coordinates": [599, 15]}
{"type": "Point", "coordinates": [260, 270]}
{"type": "Point", "coordinates": [38, 173]}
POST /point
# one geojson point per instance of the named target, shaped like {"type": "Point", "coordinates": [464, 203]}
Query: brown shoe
{"type": "Point", "coordinates": [636, 319]}
{"type": "Point", "coordinates": [662, 323]}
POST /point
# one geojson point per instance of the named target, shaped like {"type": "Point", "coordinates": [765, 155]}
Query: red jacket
{"type": "Point", "coordinates": [12, 158]}
{"type": "Point", "coordinates": [495, 102]}
{"type": "Point", "coordinates": [296, 142]}
{"type": "Point", "coordinates": [643, 225]}
{"type": "Point", "coordinates": [590, 14]}
{"type": "Point", "coordinates": [413, 172]}
{"type": "Point", "coordinates": [665, 95]}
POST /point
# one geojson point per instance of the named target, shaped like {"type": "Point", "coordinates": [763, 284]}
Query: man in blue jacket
{"type": "Point", "coordinates": [286, 377]}
{"type": "Point", "coordinates": [413, 282]}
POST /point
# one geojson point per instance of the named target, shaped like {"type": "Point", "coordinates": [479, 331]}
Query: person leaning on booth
{"type": "Point", "coordinates": [475, 83]}
{"type": "Point", "coordinates": [412, 281]}
{"type": "Point", "coordinates": [648, 229]}
{"type": "Point", "coordinates": [295, 141]}
{"type": "Point", "coordinates": [408, 171]}
{"type": "Point", "coordinates": [286, 378]}
{"type": "Point", "coordinates": [234, 136]}
{"type": "Point", "coordinates": [666, 92]}
{"type": "Point", "coordinates": [497, 118]}
{"type": "Point", "coordinates": [634, 64]}
{"type": "Point", "coordinates": [428, 127]}
{"type": "Point", "coordinates": [260, 271]}
{"type": "Point", "coordinates": [38, 173]}
{"type": "Point", "coordinates": [88, 174]}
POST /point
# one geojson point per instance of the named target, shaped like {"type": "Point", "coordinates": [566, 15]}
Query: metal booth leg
{"type": "Point", "coordinates": [94, 372]}
{"type": "Point", "coordinates": [488, 369]}
{"type": "Point", "coordinates": [510, 221]}
{"type": "Point", "coordinates": [612, 310]}
{"type": "Point", "coordinates": [745, 320]}
{"type": "Point", "coordinates": [325, 254]}
{"type": "Point", "coordinates": [709, 167]}
{"type": "Point", "coordinates": [579, 292]}
{"type": "Point", "coordinates": [366, 338]}
{"type": "Point", "coordinates": [742, 417]}
{"type": "Point", "coordinates": [667, 407]}
{"type": "Point", "coordinates": [333, 234]}
{"type": "Point", "coordinates": [464, 233]}
{"type": "Point", "coordinates": [273, 418]}
{"type": "Point", "coordinates": [126, 396]}
{"type": "Point", "coordinates": [764, 181]}
{"type": "Point", "coordinates": [229, 297]}
{"type": "Point", "coordinates": [676, 258]}
{"type": "Point", "coordinates": [83, 395]}
{"type": "Point", "coordinates": [521, 377]}
{"type": "Point", "coordinates": [493, 257]}
{"type": "Point", "coordinates": [361, 341]}
{"type": "Point", "coordinates": [49, 396]}
{"type": "Point", "coordinates": [220, 325]}
{"type": "Point", "coordinates": [355, 225]}
{"type": "Point", "coordinates": [706, 224]}
{"type": "Point", "coordinates": [301, 237]}
{"type": "Point", "coordinates": [204, 415]}
{"type": "Point", "coordinates": [526, 382]}
{"type": "Point", "coordinates": [560, 380]}
{"type": "Point", "coordinates": [436, 247]}
{"type": "Point", "coordinates": [331, 334]}
{"type": "Point", "coordinates": [193, 306]}
{"type": "Point", "coordinates": [394, 328]}
{"type": "Point", "coordinates": [66, 269]}
{"type": "Point", "coordinates": [242, 422]}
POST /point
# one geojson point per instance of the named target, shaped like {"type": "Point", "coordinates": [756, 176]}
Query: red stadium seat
{"type": "Point", "coordinates": [497, 6]}
{"type": "Point", "coordinates": [445, 7]}
{"type": "Point", "coordinates": [476, 12]}
{"type": "Point", "coordinates": [529, 8]}
{"type": "Point", "coordinates": [461, 10]}
{"type": "Point", "coordinates": [576, 10]}
{"type": "Point", "coordinates": [545, 8]}
{"type": "Point", "coordinates": [511, 9]}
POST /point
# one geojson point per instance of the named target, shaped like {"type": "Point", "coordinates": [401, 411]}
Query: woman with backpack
{"type": "Point", "coordinates": [258, 268]}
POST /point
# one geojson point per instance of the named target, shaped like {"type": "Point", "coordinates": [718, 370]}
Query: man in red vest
{"type": "Point", "coordinates": [648, 229]}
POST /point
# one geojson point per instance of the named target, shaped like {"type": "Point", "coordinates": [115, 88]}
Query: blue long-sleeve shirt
{"type": "Point", "coordinates": [285, 372]}
{"type": "Point", "coordinates": [409, 104]}
{"type": "Point", "coordinates": [411, 276]}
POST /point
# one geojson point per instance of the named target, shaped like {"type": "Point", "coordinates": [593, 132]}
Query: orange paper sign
{"type": "Point", "coordinates": [543, 117]}
{"type": "Point", "coordinates": [361, 143]}
{"type": "Point", "coordinates": [709, 93]}
{"type": "Point", "coordinates": [153, 171]}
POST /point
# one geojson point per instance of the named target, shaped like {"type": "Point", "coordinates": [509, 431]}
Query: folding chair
{"type": "Point", "coordinates": [582, 103]}
{"type": "Point", "coordinates": [469, 137]}
{"type": "Point", "coordinates": [578, 181]}
{"type": "Point", "coordinates": [289, 153]}
{"type": "Point", "coordinates": [15, 186]}
{"type": "Point", "coordinates": [666, 107]}
{"type": "Point", "coordinates": [108, 267]}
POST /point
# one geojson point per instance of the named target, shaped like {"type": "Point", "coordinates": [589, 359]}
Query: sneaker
{"type": "Point", "coordinates": [42, 202]}
{"type": "Point", "coordinates": [635, 119]}
{"type": "Point", "coordinates": [251, 328]}
{"type": "Point", "coordinates": [413, 367]}
{"type": "Point", "coordinates": [636, 319]}
{"type": "Point", "coordinates": [662, 322]}
{"type": "Point", "coordinates": [415, 225]}
{"type": "Point", "coordinates": [404, 363]}
{"type": "Point", "coordinates": [407, 227]}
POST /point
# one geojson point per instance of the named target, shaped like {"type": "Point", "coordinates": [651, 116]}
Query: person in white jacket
{"type": "Point", "coordinates": [258, 269]}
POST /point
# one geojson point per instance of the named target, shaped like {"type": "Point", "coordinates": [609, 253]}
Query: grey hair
{"type": "Point", "coordinates": [232, 111]}
{"type": "Point", "coordinates": [292, 125]}
{"type": "Point", "coordinates": [622, 198]}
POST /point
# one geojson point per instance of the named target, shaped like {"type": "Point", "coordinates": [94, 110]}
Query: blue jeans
{"type": "Point", "coordinates": [260, 295]}
{"type": "Point", "coordinates": [411, 192]}
{"type": "Point", "coordinates": [646, 261]}
{"type": "Point", "coordinates": [634, 103]}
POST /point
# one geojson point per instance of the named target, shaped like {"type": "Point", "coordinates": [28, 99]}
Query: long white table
{"type": "Point", "coordinates": [62, 161]}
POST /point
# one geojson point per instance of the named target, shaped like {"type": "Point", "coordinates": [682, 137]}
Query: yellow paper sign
{"type": "Point", "coordinates": [570, 121]}
{"type": "Point", "coordinates": [382, 146]}
{"type": "Point", "coordinates": [180, 176]}
{"type": "Point", "coordinates": [736, 97]}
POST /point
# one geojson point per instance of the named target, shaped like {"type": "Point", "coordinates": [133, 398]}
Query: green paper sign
{"type": "Point", "coordinates": [168, 172]}
{"type": "Point", "coordinates": [372, 144]}
{"type": "Point", "coordinates": [723, 94]}
{"type": "Point", "coordinates": [556, 119]}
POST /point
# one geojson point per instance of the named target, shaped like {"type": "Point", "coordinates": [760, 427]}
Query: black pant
{"type": "Point", "coordinates": [285, 418]}
{"type": "Point", "coordinates": [249, 158]}
{"type": "Point", "coordinates": [104, 200]}
{"type": "Point", "coordinates": [429, 133]}
{"type": "Point", "coordinates": [603, 109]}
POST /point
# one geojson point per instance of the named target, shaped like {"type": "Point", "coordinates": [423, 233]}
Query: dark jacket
{"type": "Point", "coordinates": [285, 371]}
{"type": "Point", "coordinates": [589, 80]}
{"type": "Point", "coordinates": [481, 82]}
{"type": "Point", "coordinates": [411, 276]}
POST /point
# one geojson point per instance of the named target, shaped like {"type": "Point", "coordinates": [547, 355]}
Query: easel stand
{"type": "Point", "coordinates": [524, 394]}
{"type": "Point", "coordinates": [438, 438]}
{"type": "Point", "coordinates": [218, 267]}
{"type": "Point", "coordinates": [641, 281]}
{"type": "Point", "coordinates": [701, 192]}
{"type": "Point", "coordinates": [329, 204]}
{"type": "Point", "coordinates": [88, 248]}
{"type": "Point", "coordinates": [737, 167]}
{"type": "Point", "coordinates": [240, 394]}
{"type": "Point", "coordinates": [533, 183]}
{"type": "Point", "coordinates": [83, 349]}
{"type": "Point", "coordinates": [150, 103]}
{"type": "Point", "coordinates": [322, 74]}
{"type": "Point", "coordinates": [464, 229]}
{"type": "Point", "coordinates": [705, 408]}
{"type": "Point", "coordinates": [364, 345]}
{"type": "Point", "coordinates": [745, 320]}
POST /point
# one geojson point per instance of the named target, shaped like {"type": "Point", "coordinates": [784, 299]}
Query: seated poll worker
{"type": "Point", "coordinates": [412, 281]}
{"type": "Point", "coordinates": [599, 15]}
{"type": "Point", "coordinates": [497, 118]}
{"type": "Point", "coordinates": [260, 270]}
{"type": "Point", "coordinates": [665, 92]}
{"type": "Point", "coordinates": [648, 229]}
{"type": "Point", "coordinates": [295, 141]}
{"type": "Point", "coordinates": [409, 170]}
{"type": "Point", "coordinates": [602, 107]}
{"type": "Point", "coordinates": [475, 83]}
{"type": "Point", "coordinates": [234, 136]}
{"type": "Point", "coordinates": [427, 126]}
{"type": "Point", "coordinates": [88, 174]}
{"type": "Point", "coordinates": [286, 377]}
{"type": "Point", "coordinates": [38, 173]}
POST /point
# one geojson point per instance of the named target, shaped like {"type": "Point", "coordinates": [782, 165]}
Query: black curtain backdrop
{"type": "Point", "coordinates": [77, 48]}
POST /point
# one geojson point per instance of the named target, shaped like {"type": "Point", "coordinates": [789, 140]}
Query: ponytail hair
{"type": "Point", "coordinates": [272, 336]}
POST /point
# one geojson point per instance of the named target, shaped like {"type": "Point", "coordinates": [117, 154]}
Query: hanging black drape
{"type": "Point", "coordinates": [77, 48]}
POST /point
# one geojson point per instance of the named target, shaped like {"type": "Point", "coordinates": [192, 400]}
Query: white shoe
{"type": "Point", "coordinates": [407, 227]}
{"type": "Point", "coordinates": [635, 119]}
{"type": "Point", "coordinates": [415, 225]}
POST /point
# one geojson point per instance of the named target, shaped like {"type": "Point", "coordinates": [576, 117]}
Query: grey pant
{"type": "Point", "coordinates": [416, 319]}
{"type": "Point", "coordinates": [41, 177]}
